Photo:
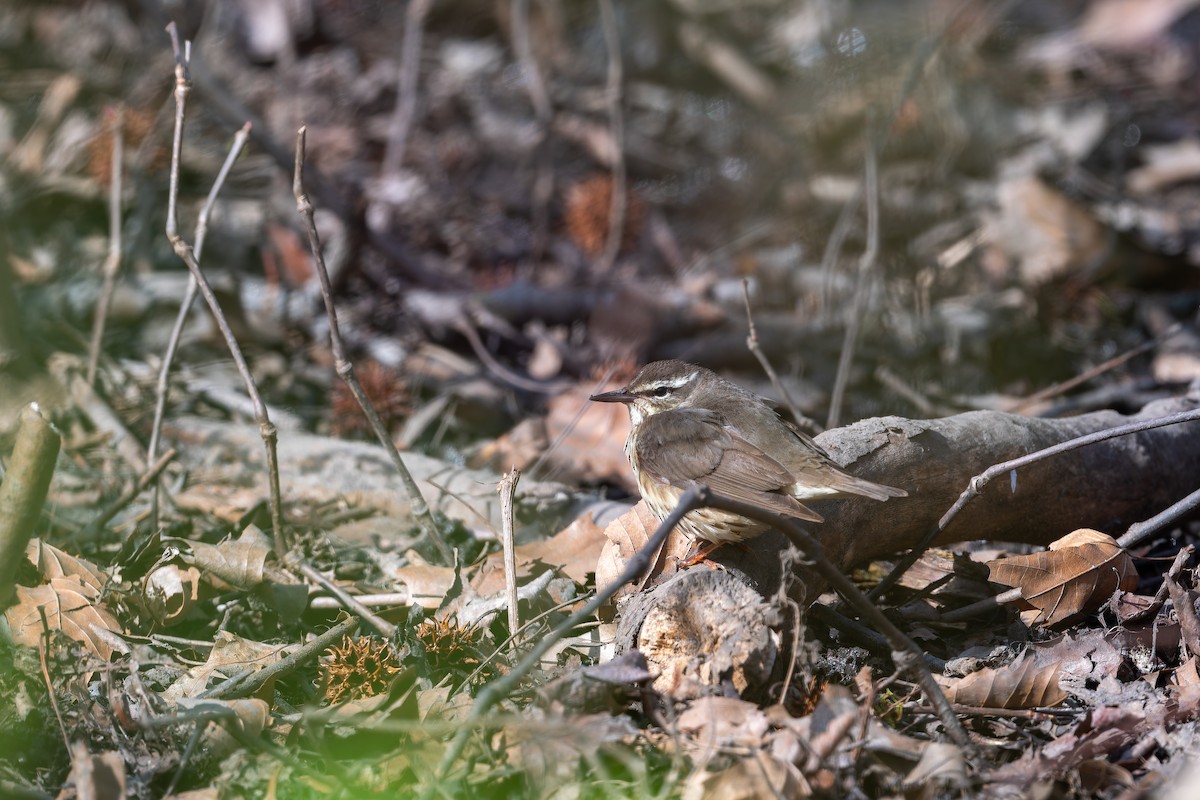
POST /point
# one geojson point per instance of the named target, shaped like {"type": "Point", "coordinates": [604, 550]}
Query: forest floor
{"type": "Point", "coordinates": [911, 211]}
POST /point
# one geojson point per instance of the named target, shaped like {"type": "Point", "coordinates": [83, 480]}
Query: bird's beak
{"type": "Point", "coordinates": [619, 396]}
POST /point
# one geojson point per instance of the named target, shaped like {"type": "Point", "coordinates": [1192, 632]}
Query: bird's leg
{"type": "Point", "coordinates": [703, 551]}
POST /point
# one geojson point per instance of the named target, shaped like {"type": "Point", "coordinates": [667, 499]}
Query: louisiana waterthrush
{"type": "Point", "coordinates": [690, 425]}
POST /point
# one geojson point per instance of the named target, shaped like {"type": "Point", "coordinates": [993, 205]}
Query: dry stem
{"type": "Point", "coordinates": [186, 254]}
{"type": "Point", "coordinates": [616, 121]}
{"type": "Point", "coordinates": [162, 389]}
{"type": "Point", "coordinates": [112, 264]}
{"type": "Point", "coordinates": [345, 369]}
{"type": "Point", "coordinates": [507, 489]}
{"type": "Point", "coordinates": [866, 264]}
{"type": "Point", "coordinates": [406, 92]}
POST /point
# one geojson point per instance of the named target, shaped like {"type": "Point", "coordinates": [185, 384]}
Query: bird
{"type": "Point", "coordinates": [688, 425]}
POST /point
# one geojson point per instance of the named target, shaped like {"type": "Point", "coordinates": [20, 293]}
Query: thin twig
{"type": "Point", "coordinates": [1085, 376]}
{"type": "Point", "coordinates": [905, 652]}
{"type": "Point", "coordinates": [345, 369]}
{"type": "Point", "coordinates": [163, 388]}
{"type": "Point", "coordinates": [981, 606]}
{"type": "Point", "coordinates": [1149, 612]}
{"type": "Point", "coordinates": [43, 645]}
{"type": "Point", "coordinates": [496, 691]}
{"type": "Point", "coordinates": [535, 472]}
{"type": "Point", "coordinates": [833, 245]}
{"type": "Point", "coordinates": [1035, 714]}
{"type": "Point", "coordinates": [898, 385]}
{"type": "Point", "coordinates": [349, 602]}
{"type": "Point", "coordinates": [866, 265]}
{"type": "Point", "coordinates": [102, 417]}
{"type": "Point", "coordinates": [794, 612]}
{"type": "Point", "coordinates": [1140, 531]}
{"type": "Point", "coordinates": [246, 683]}
{"type": "Point", "coordinates": [539, 98]}
{"type": "Point", "coordinates": [616, 123]}
{"type": "Point", "coordinates": [507, 489]}
{"type": "Point", "coordinates": [882, 133]}
{"type": "Point", "coordinates": [527, 626]}
{"type": "Point", "coordinates": [523, 49]}
{"type": "Point", "coordinates": [112, 264]}
{"type": "Point", "coordinates": [513, 379]}
{"type": "Point", "coordinates": [752, 345]}
{"type": "Point", "coordinates": [186, 254]}
{"type": "Point", "coordinates": [406, 92]}
{"type": "Point", "coordinates": [976, 484]}
{"type": "Point", "coordinates": [370, 601]}
{"type": "Point", "coordinates": [227, 717]}
{"type": "Point", "coordinates": [126, 497]}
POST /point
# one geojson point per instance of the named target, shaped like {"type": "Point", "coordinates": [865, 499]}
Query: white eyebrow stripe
{"type": "Point", "coordinates": [672, 383]}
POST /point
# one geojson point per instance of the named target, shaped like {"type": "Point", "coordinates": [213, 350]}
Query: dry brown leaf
{"type": "Point", "coordinates": [69, 605]}
{"type": "Point", "coordinates": [251, 714]}
{"type": "Point", "coordinates": [626, 535]}
{"type": "Point", "coordinates": [574, 551]}
{"type": "Point", "coordinates": [941, 764]}
{"type": "Point", "coordinates": [592, 447]}
{"type": "Point", "coordinates": [226, 503]}
{"type": "Point", "coordinates": [1185, 611]}
{"type": "Point", "coordinates": [427, 584]}
{"type": "Point", "coordinates": [1047, 234]}
{"type": "Point", "coordinates": [520, 447]}
{"type": "Point", "coordinates": [714, 723]}
{"type": "Point", "coordinates": [438, 703]}
{"type": "Point", "coordinates": [758, 775]}
{"type": "Point", "coordinates": [54, 563]}
{"type": "Point", "coordinates": [171, 591]}
{"type": "Point", "coordinates": [1186, 682]}
{"type": "Point", "coordinates": [230, 654]}
{"type": "Point", "coordinates": [101, 775]}
{"type": "Point", "coordinates": [1075, 576]}
{"type": "Point", "coordinates": [1129, 606]}
{"type": "Point", "coordinates": [1021, 684]}
{"type": "Point", "coordinates": [236, 562]}
{"type": "Point", "coordinates": [961, 576]}
{"type": "Point", "coordinates": [582, 441]}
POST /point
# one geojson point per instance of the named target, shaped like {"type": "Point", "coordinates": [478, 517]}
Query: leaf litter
{"type": "Point", "coordinates": [1060, 229]}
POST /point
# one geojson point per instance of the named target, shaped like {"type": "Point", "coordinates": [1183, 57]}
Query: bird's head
{"type": "Point", "coordinates": [661, 386]}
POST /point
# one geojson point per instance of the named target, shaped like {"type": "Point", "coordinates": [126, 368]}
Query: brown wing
{"type": "Point", "coordinates": [805, 439]}
{"type": "Point", "coordinates": [819, 468]}
{"type": "Point", "coordinates": [692, 445]}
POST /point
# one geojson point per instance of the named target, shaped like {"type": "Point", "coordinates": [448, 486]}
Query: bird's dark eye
{"type": "Point", "coordinates": [662, 391]}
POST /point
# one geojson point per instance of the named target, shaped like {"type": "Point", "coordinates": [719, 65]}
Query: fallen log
{"type": "Point", "coordinates": [683, 620]}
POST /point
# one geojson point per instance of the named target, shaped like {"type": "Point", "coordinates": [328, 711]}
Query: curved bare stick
{"type": "Point", "coordinates": [345, 369]}
{"type": "Point", "coordinates": [186, 254]}
{"type": "Point", "coordinates": [162, 389]}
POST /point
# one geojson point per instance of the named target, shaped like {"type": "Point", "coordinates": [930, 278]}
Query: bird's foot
{"type": "Point", "coordinates": [701, 556]}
